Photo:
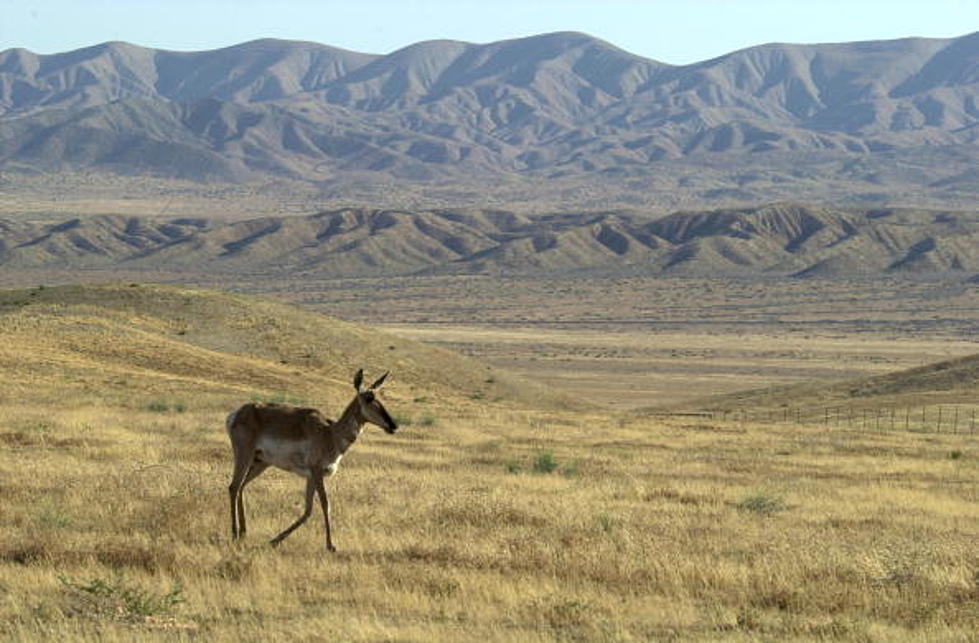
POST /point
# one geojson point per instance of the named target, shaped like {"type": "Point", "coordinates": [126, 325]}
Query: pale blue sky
{"type": "Point", "coordinates": [673, 31]}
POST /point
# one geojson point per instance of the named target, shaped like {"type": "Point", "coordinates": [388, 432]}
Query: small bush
{"type": "Point", "coordinates": [606, 523]}
{"type": "Point", "coordinates": [402, 420]}
{"type": "Point", "coordinates": [117, 596]}
{"type": "Point", "coordinates": [545, 463]}
{"type": "Point", "coordinates": [513, 467]}
{"type": "Point", "coordinates": [955, 455]}
{"type": "Point", "coordinates": [762, 503]}
{"type": "Point", "coordinates": [162, 406]}
{"type": "Point", "coordinates": [282, 398]}
{"type": "Point", "coordinates": [55, 518]}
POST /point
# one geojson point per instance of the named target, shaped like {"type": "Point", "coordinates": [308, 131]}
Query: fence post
{"type": "Point", "coordinates": [907, 417]}
{"type": "Point", "coordinates": [939, 430]}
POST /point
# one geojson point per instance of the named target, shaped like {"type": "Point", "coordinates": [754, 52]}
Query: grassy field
{"type": "Point", "coordinates": [493, 514]}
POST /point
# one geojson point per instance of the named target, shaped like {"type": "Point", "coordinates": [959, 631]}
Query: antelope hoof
{"type": "Point", "coordinates": [330, 547]}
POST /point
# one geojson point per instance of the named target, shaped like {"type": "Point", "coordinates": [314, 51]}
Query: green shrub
{"type": "Point", "coordinates": [282, 398]}
{"type": "Point", "coordinates": [545, 463]}
{"type": "Point", "coordinates": [162, 406]}
{"type": "Point", "coordinates": [606, 523]}
{"type": "Point", "coordinates": [762, 503]}
{"type": "Point", "coordinates": [118, 596]}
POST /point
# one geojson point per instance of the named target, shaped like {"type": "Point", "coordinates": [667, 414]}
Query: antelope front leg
{"type": "Point", "coordinates": [325, 504]}
{"type": "Point", "coordinates": [310, 488]}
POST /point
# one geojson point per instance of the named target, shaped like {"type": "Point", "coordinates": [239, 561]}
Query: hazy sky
{"type": "Point", "coordinates": [674, 31]}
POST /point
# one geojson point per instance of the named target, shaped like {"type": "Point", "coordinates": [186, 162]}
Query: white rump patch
{"type": "Point", "coordinates": [230, 421]}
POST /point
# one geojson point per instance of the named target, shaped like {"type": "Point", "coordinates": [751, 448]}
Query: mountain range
{"type": "Point", "coordinates": [555, 105]}
{"type": "Point", "coordinates": [775, 240]}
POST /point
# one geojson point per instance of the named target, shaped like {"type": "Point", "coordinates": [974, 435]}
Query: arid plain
{"type": "Point", "coordinates": [553, 506]}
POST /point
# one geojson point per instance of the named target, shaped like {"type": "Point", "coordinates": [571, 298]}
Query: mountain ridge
{"type": "Point", "coordinates": [555, 104]}
{"type": "Point", "coordinates": [780, 239]}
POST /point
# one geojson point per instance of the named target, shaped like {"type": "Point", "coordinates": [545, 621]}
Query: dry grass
{"type": "Point", "coordinates": [479, 519]}
{"type": "Point", "coordinates": [645, 529]}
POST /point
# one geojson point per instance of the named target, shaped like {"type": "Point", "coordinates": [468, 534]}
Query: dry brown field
{"type": "Point", "coordinates": [487, 516]}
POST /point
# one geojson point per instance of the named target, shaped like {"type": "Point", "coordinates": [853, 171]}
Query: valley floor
{"type": "Point", "coordinates": [639, 342]}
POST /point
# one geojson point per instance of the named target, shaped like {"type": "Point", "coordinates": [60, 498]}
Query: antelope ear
{"type": "Point", "coordinates": [358, 379]}
{"type": "Point", "coordinates": [379, 381]}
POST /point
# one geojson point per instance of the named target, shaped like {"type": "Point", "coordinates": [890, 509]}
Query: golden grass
{"type": "Point", "coordinates": [113, 494]}
{"type": "Point", "coordinates": [646, 529]}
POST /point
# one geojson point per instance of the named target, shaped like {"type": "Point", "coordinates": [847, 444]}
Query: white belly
{"type": "Point", "coordinates": [291, 455]}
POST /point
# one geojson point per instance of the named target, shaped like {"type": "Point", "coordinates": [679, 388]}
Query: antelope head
{"type": "Point", "coordinates": [371, 408]}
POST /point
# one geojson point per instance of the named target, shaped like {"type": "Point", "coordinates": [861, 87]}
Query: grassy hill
{"type": "Point", "coordinates": [118, 342]}
{"type": "Point", "coordinates": [949, 382]}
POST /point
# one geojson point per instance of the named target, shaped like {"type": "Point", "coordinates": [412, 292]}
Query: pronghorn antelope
{"type": "Point", "coordinates": [301, 441]}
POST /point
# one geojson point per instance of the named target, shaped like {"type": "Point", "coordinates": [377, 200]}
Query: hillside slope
{"type": "Point", "coordinates": [953, 381]}
{"type": "Point", "coordinates": [558, 104]}
{"type": "Point", "coordinates": [779, 239]}
{"type": "Point", "coordinates": [112, 341]}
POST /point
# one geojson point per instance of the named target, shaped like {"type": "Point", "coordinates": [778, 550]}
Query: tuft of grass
{"type": "Point", "coordinates": [513, 467]}
{"type": "Point", "coordinates": [607, 523]}
{"type": "Point", "coordinates": [763, 503]}
{"type": "Point", "coordinates": [117, 596]}
{"type": "Point", "coordinates": [162, 406]}
{"type": "Point", "coordinates": [545, 463]}
{"type": "Point", "coordinates": [282, 398]}
{"type": "Point", "coordinates": [55, 518]}
{"type": "Point", "coordinates": [402, 419]}
{"type": "Point", "coordinates": [408, 420]}
{"type": "Point", "coordinates": [955, 455]}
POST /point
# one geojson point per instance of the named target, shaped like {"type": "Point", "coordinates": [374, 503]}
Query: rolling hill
{"type": "Point", "coordinates": [954, 381]}
{"type": "Point", "coordinates": [554, 105]}
{"type": "Point", "coordinates": [778, 239]}
{"type": "Point", "coordinates": [117, 341]}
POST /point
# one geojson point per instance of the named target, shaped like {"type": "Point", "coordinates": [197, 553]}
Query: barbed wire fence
{"type": "Point", "coordinates": [960, 419]}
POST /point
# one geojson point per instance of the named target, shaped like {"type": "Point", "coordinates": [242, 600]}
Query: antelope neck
{"type": "Point", "coordinates": [347, 428]}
